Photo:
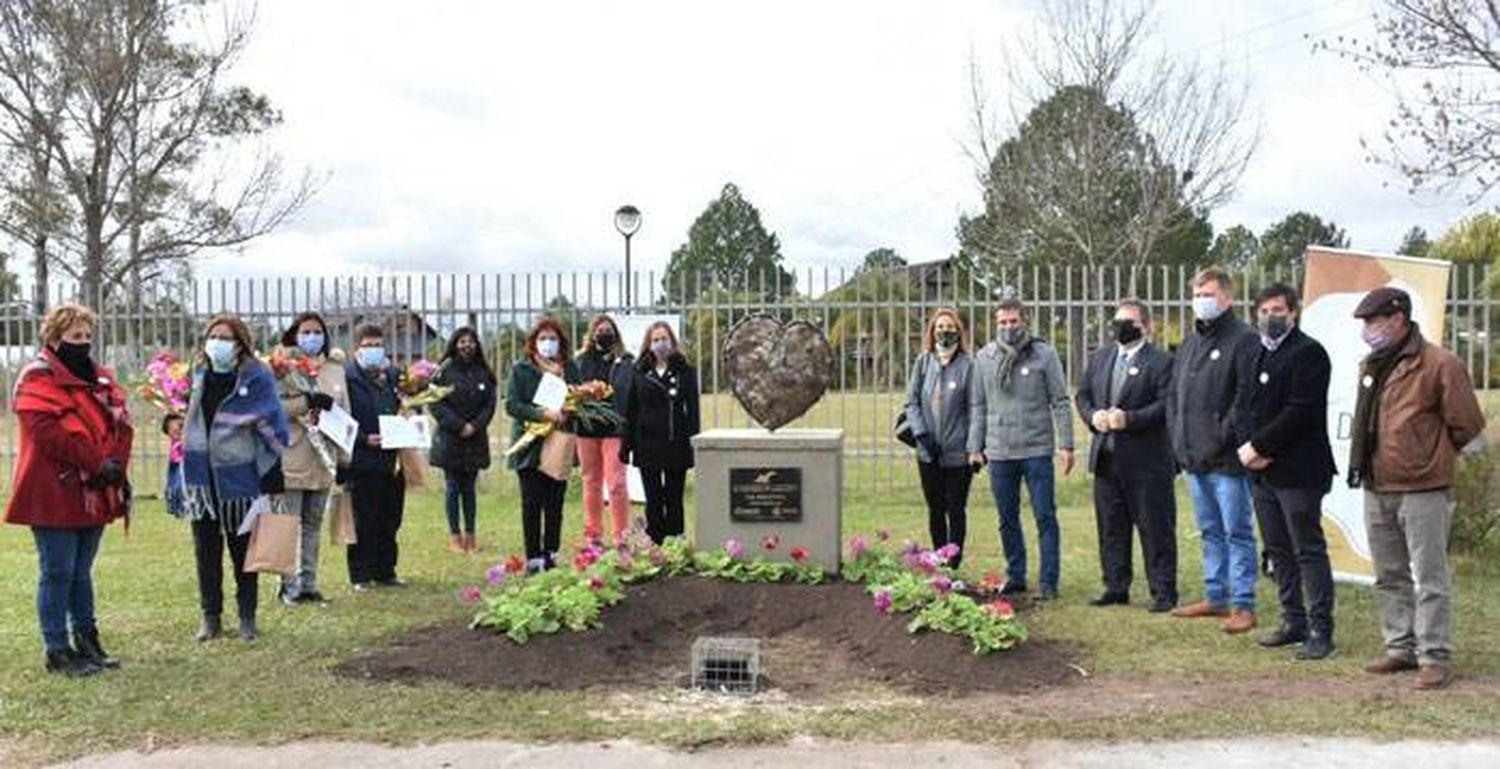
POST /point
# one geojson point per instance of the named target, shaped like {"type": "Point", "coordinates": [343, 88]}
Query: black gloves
{"type": "Point", "coordinates": [273, 482]}
{"type": "Point", "coordinates": [319, 401]}
{"type": "Point", "coordinates": [341, 475]}
{"type": "Point", "coordinates": [624, 454]}
{"type": "Point", "coordinates": [928, 442]}
{"type": "Point", "coordinates": [111, 473]}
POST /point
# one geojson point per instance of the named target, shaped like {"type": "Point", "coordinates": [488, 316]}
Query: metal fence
{"type": "Point", "coordinates": [874, 319]}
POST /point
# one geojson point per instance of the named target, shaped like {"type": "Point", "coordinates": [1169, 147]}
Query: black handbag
{"type": "Point", "coordinates": [902, 430]}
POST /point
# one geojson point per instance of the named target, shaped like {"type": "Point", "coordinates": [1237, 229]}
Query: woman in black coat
{"type": "Point", "coordinates": [462, 444]}
{"type": "Point", "coordinates": [661, 417]}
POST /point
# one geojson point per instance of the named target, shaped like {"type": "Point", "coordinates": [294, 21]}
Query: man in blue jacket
{"type": "Point", "coordinates": [377, 491]}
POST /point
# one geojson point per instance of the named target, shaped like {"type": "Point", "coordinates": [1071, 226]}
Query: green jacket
{"type": "Point", "coordinates": [520, 388]}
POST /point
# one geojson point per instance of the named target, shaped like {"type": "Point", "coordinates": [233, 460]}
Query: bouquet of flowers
{"type": "Point", "coordinates": [416, 387]}
{"type": "Point", "coordinates": [296, 373]}
{"type": "Point", "coordinates": [168, 383]}
{"type": "Point", "coordinates": [588, 403]}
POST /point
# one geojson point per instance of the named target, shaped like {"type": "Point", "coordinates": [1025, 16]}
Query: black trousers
{"type": "Point", "coordinates": [209, 538]}
{"type": "Point", "coordinates": [1148, 505]}
{"type": "Point", "coordinates": [946, 490]}
{"type": "Point", "coordinates": [379, 502]}
{"type": "Point", "coordinates": [664, 489]}
{"type": "Point", "coordinates": [1291, 529]}
{"type": "Point", "coordinates": [541, 513]}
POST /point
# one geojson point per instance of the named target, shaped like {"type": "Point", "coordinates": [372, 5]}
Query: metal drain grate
{"type": "Point", "coordinates": [729, 665]}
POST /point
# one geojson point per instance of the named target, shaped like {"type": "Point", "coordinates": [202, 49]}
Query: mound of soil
{"type": "Point", "coordinates": [816, 639]}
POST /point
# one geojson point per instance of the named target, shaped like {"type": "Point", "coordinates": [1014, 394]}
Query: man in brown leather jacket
{"type": "Point", "coordinates": [1416, 410]}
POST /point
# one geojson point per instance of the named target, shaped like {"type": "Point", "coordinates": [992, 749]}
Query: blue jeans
{"type": "Point", "coordinates": [1227, 522]}
{"type": "Point", "coordinates": [1005, 484]}
{"type": "Point", "coordinates": [65, 590]}
{"type": "Point", "coordinates": [461, 498]}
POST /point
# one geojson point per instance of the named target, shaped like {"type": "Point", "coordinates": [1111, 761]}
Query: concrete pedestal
{"type": "Point", "coordinates": [752, 483]}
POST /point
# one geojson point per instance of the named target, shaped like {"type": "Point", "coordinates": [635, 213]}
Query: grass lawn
{"type": "Point", "coordinates": [173, 690]}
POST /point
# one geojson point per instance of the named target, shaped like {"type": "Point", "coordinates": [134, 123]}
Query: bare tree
{"type": "Point", "coordinates": [1141, 144]}
{"type": "Point", "coordinates": [127, 102]}
{"type": "Point", "coordinates": [1442, 61]}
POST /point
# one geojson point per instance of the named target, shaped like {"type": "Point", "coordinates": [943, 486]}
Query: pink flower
{"type": "Point", "coordinates": [495, 574]}
{"type": "Point", "coordinates": [1000, 608]}
{"type": "Point", "coordinates": [470, 594]}
{"type": "Point", "coordinates": [948, 552]}
{"type": "Point", "coordinates": [942, 584]}
{"type": "Point", "coordinates": [585, 558]}
{"type": "Point", "coordinates": [858, 546]}
{"type": "Point", "coordinates": [735, 548]}
{"type": "Point", "coordinates": [770, 541]}
{"type": "Point", "coordinates": [799, 554]}
{"type": "Point", "coordinates": [882, 602]}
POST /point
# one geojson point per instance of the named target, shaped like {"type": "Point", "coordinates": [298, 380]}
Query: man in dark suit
{"type": "Point", "coordinates": [1281, 426]}
{"type": "Point", "coordinates": [1123, 401]}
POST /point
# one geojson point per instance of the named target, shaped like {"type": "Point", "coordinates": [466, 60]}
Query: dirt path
{"type": "Point", "coordinates": [1354, 754]}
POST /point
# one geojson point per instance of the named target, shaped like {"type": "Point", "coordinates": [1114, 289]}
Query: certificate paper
{"type": "Point", "coordinates": [340, 428]}
{"type": "Point", "coordinates": [404, 432]}
{"type": "Point", "coordinates": [551, 393]}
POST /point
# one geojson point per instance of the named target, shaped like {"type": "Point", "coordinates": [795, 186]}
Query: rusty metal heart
{"type": "Point", "coordinates": [777, 372]}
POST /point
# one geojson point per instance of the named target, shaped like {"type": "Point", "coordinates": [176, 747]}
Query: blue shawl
{"type": "Point", "coordinates": [223, 463]}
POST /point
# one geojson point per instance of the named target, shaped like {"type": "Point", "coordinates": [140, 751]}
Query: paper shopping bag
{"type": "Point", "coordinates": [341, 523]}
{"type": "Point", "coordinates": [273, 544]}
{"type": "Point", "coordinates": [559, 451]}
{"type": "Point", "coordinates": [413, 467]}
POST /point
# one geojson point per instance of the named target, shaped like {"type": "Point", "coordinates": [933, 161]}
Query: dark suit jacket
{"type": "Point", "coordinates": [1144, 448]}
{"type": "Point", "coordinates": [370, 399]}
{"type": "Point", "coordinates": [1283, 411]}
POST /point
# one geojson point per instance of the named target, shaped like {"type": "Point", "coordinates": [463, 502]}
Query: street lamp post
{"type": "Point", "coordinates": [627, 221]}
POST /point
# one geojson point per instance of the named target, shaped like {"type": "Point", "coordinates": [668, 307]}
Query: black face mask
{"type": "Point", "coordinates": [1126, 331]}
{"type": "Point", "coordinates": [76, 358]}
{"type": "Point", "coordinates": [604, 342]}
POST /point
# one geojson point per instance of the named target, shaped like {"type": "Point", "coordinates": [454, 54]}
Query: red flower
{"type": "Point", "coordinates": [585, 558]}
{"type": "Point", "coordinates": [799, 554]}
{"type": "Point", "coordinates": [515, 565]}
{"type": "Point", "coordinates": [596, 583]}
{"type": "Point", "coordinates": [770, 541]}
{"type": "Point", "coordinates": [1000, 608]}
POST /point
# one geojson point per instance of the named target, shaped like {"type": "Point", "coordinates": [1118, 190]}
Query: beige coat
{"type": "Point", "coordinates": [300, 463]}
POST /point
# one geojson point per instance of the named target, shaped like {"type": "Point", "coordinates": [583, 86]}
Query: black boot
{"type": "Point", "coordinates": [87, 644]}
{"type": "Point", "coordinates": [70, 664]}
{"type": "Point", "coordinates": [247, 628]}
{"type": "Point", "coordinates": [212, 628]}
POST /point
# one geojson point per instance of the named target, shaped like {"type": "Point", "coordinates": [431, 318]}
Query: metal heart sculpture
{"type": "Point", "coordinates": [777, 372]}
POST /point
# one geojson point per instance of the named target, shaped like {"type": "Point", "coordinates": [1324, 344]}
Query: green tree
{"type": "Point", "coordinates": [882, 259]}
{"type": "Point", "coordinates": [1474, 240]}
{"type": "Point", "coordinates": [1414, 243]}
{"type": "Point", "coordinates": [1283, 244]}
{"type": "Point", "coordinates": [1235, 248]}
{"type": "Point", "coordinates": [728, 248]}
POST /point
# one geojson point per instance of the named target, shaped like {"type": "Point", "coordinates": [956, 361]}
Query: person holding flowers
{"type": "Point", "coordinates": [461, 446]}
{"type": "Point", "coordinates": [661, 418]}
{"type": "Point", "coordinates": [605, 362]}
{"type": "Point", "coordinates": [70, 481]}
{"type": "Point", "coordinates": [310, 380]}
{"type": "Point", "coordinates": [235, 433]}
{"type": "Point", "coordinates": [541, 494]}
{"type": "Point", "coordinates": [375, 484]}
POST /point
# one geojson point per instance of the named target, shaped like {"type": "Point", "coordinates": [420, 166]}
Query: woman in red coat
{"type": "Point", "coordinates": [70, 480]}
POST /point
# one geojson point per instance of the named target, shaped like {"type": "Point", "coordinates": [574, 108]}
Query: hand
{"type": "Point", "coordinates": [554, 416]}
{"type": "Point", "coordinates": [1100, 420]}
{"type": "Point", "coordinates": [373, 440]}
{"type": "Point", "coordinates": [1116, 419]}
{"type": "Point", "coordinates": [111, 473]}
{"type": "Point", "coordinates": [1251, 458]}
{"type": "Point", "coordinates": [319, 401]}
{"type": "Point", "coordinates": [976, 458]}
{"type": "Point", "coordinates": [1067, 461]}
{"type": "Point", "coordinates": [467, 431]}
{"type": "Point", "coordinates": [930, 444]}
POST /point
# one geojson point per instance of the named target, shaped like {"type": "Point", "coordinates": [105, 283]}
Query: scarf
{"type": "Point", "coordinates": [1007, 357]}
{"type": "Point", "coordinates": [1375, 370]}
{"type": "Point", "coordinates": [223, 461]}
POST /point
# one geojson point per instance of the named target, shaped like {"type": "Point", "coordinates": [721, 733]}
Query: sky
{"type": "Point", "coordinates": [500, 137]}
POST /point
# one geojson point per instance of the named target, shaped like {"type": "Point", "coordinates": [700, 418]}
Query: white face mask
{"type": "Point", "coordinates": [220, 354]}
{"type": "Point", "coordinates": [547, 348]}
{"type": "Point", "coordinates": [1206, 308]}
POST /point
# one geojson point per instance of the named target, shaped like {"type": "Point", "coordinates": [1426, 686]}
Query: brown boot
{"type": "Point", "coordinates": [1434, 675]}
{"type": "Point", "coordinates": [470, 544]}
{"type": "Point", "coordinates": [456, 544]}
{"type": "Point", "coordinates": [1239, 621]}
{"type": "Point", "coordinates": [1200, 609]}
{"type": "Point", "coordinates": [1387, 665]}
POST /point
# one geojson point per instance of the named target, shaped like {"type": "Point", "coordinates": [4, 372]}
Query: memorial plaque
{"type": "Point", "coordinates": [772, 494]}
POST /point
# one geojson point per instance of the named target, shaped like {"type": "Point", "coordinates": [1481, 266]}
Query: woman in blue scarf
{"type": "Point", "coordinates": [235, 433]}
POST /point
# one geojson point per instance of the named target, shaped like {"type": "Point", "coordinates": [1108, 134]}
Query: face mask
{"type": "Point", "coordinates": [310, 342]}
{"type": "Point", "coordinates": [220, 354]}
{"type": "Point", "coordinates": [947, 339]}
{"type": "Point", "coordinates": [1013, 335]}
{"type": "Point", "coordinates": [661, 348]}
{"type": "Point", "coordinates": [73, 355]}
{"type": "Point", "coordinates": [604, 341]}
{"type": "Point", "coordinates": [1377, 337]}
{"type": "Point", "coordinates": [1275, 326]}
{"type": "Point", "coordinates": [1206, 308]}
{"type": "Point", "coordinates": [547, 348]}
{"type": "Point", "coordinates": [1126, 331]}
{"type": "Point", "coordinates": [371, 357]}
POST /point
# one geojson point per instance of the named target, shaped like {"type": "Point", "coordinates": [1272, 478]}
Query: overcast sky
{"type": "Point", "coordinates": [500, 137]}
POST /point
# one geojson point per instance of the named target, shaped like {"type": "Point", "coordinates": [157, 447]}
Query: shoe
{"type": "Point", "coordinates": [1317, 646]}
{"type": "Point", "coordinates": [247, 629]}
{"type": "Point", "coordinates": [1109, 599]}
{"type": "Point", "coordinates": [363, 587]}
{"type": "Point", "coordinates": [70, 664]}
{"type": "Point", "coordinates": [471, 544]}
{"type": "Point", "coordinates": [1433, 675]}
{"type": "Point", "coordinates": [391, 582]}
{"type": "Point", "coordinates": [87, 644]}
{"type": "Point", "coordinates": [1200, 609]}
{"type": "Point", "coordinates": [210, 629]}
{"type": "Point", "coordinates": [1388, 664]}
{"type": "Point", "coordinates": [1047, 593]}
{"type": "Point", "coordinates": [1239, 621]}
{"type": "Point", "coordinates": [311, 596]}
{"type": "Point", "coordinates": [1161, 606]}
{"type": "Point", "coordinates": [1013, 588]}
{"type": "Point", "coordinates": [456, 544]}
{"type": "Point", "coordinates": [1283, 636]}
{"type": "Point", "coordinates": [287, 598]}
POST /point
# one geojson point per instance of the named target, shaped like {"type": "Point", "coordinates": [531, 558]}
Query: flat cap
{"type": "Point", "coordinates": [1384, 301]}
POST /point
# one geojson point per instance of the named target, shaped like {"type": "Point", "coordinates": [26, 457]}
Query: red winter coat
{"type": "Point", "coordinates": [68, 428]}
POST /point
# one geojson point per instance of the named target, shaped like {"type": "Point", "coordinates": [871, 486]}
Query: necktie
{"type": "Point", "coordinates": [1117, 382]}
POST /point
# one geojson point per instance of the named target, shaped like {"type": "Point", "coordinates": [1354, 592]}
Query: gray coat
{"type": "Point", "coordinates": [1019, 423]}
{"type": "Point", "coordinates": [952, 433]}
